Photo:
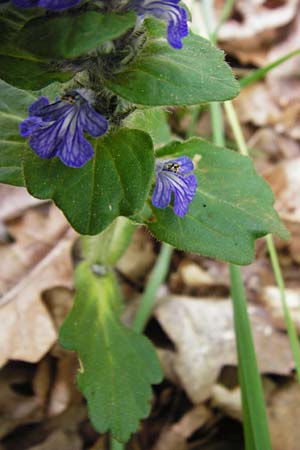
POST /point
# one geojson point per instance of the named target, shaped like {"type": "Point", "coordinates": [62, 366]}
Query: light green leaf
{"type": "Point", "coordinates": [118, 365]}
{"type": "Point", "coordinates": [13, 109]}
{"type": "Point", "coordinates": [154, 122]}
{"type": "Point", "coordinates": [115, 182]}
{"type": "Point", "coordinates": [161, 75]}
{"type": "Point", "coordinates": [71, 36]}
{"type": "Point", "coordinates": [233, 206]}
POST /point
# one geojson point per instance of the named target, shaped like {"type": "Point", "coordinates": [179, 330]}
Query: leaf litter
{"type": "Point", "coordinates": [198, 405]}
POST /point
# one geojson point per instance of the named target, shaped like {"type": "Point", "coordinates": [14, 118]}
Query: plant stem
{"type": "Point", "coordinates": [157, 277]}
{"type": "Point", "coordinates": [287, 316]}
{"type": "Point", "coordinates": [236, 128]}
{"type": "Point", "coordinates": [116, 445]}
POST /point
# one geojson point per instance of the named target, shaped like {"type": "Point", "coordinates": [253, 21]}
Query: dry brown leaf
{"type": "Point", "coordinates": [284, 417]}
{"type": "Point", "coordinates": [14, 201]}
{"type": "Point", "coordinates": [228, 400]}
{"type": "Point", "coordinates": [36, 234]}
{"type": "Point", "coordinates": [194, 276]}
{"type": "Point", "coordinates": [17, 408]}
{"type": "Point", "coordinates": [64, 390]}
{"type": "Point", "coordinates": [272, 300]}
{"type": "Point", "coordinates": [284, 180]}
{"type": "Point", "coordinates": [139, 257]}
{"type": "Point", "coordinates": [255, 26]}
{"type": "Point", "coordinates": [39, 259]}
{"type": "Point", "coordinates": [202, 332]}
{"type": "Point", "coordinates": [60, 440]}
{"type": "Point", "coordinates": [175, 436]}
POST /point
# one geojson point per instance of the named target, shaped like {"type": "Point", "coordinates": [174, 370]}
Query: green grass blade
{"type": "Point", "coordinates": [157, 277]}
{"type": "Point", "coordinates": [261, 72]}
{"type": "Point", "coordinates": [294, 342]}
{"type": "Point", "coordinates": [255, 419]}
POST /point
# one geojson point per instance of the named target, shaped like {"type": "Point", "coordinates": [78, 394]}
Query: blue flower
{"type": "Point", "coordinates": [172, 176]}
{"type": "Point", "coordinates": [168, 10]}
{"type": "Point", "coordinates": [54, 5]}
{"type": "Point", "coordinates": [57, 129]}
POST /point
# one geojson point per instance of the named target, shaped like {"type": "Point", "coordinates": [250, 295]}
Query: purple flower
{"type": "Point", "coordinates": [168, 10]}
{"type": "Point", "coordinates": [57, 129]}
{"type": "Point", "coordinates": [172, 176]}
{"type": "Point", "coordinates": [54, 5]}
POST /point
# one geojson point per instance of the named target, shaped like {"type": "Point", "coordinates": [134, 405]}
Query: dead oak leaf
{"type": "Point", "coordinates": [202, 332]}
{"type": "Point", "coordinates": [27, 330]}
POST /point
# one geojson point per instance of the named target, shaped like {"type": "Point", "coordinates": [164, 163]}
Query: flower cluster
{"type": "Point", "coordinates": [174, 176]}
{"type": "Point", "coordinates": [54, 5]}
{"type": "Point", "coordinates": [57, 129]}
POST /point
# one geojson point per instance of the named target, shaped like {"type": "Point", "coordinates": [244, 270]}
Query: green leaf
{"type": "Point", "coordinates": [233, 206]}
{"type": "Point", "coordinates": [12, 19]}
{"type": "Point", "coordinates": [18, 67]}
{"type": "Point", "coordinates": [161, 75]}
{"type": "Point", "coordinates": [154, 122]}
{"type": "Point", "coordinates": [71, 36]}
{"type": "Point", "coordinates": [27, 74]}
{"type": "Point", "coordinates": [118, 365]}
{"type": "Point", "coordinates": [115, 182]}
{"type": "Point", "coordinates": [13, 109]}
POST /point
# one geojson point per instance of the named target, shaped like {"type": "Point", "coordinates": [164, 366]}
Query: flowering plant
{"type": "Point", "coordinates": [81, 86]}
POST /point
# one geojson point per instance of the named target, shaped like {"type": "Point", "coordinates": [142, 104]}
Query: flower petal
{"type": "Point", "coordinates": [30, 125]}
{"type": "Point", "coordinates": [36, 107]}
{"type": "Point", "coordinates": [161, 196]}
{"type": "Point", "coordinates": [57, 5]}
{"type": "Point", "coordinates": [184, 196]}
{"type": "Point", "coordinates": [91, 121]}
{"type": "Point", "coordinates": [74, 150]}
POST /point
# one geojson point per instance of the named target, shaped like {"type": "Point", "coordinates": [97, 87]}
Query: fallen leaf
{"type": "Point", "coordinates": [39, 259]}
{"type": "Point", "coordinates": [139, 257]}
{"type": "Point", "coordinates": [175, 436]}
{"type": "Point", "coordinates": [272, 301]}
{"type": "Point", "coordinates": [14, 201]}
{"type": "Point", "coordinates": [60, 440]}
{"type": "Point", "coordinates": [17, 408]}
{"type": "Point", "coordinates": [284, 180]}
{"type": "Point", "coordinates": [255, 26]}
{"type": "Point", "coordinates": [284, 416]}
{"type": "Point", "coordinates": [228, 400]}
{"type": "Point", "coordinates": [202, 332]}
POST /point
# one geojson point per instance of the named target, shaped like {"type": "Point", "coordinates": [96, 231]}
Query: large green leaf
{"type": "Point", "coordinates": [161, 75]}
{"type": "Point", "coordinates": [118, 365]}
{"type": "Point", "coordinates": [13, 109]}
{"type": "Point", "coordinates": [18, 67]}
{"type": "Point", "coordinates": [115, 182]}
{"type": "Point", "coordinates": [71, 36]}
{"type": "Point", "coordinates": [233, 206]}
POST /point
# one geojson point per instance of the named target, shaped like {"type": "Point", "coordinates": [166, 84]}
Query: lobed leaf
{"type": "Point", "coordinates": [161, 75]}
{"type": "Point", "coordinates": [118, 365]}
{"type": "Point", "coordinates": [233, 206]}
{"type": "Point", "coordinates": [115, 182]}
{"type": "Point", "coordinates": [71, 36]}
